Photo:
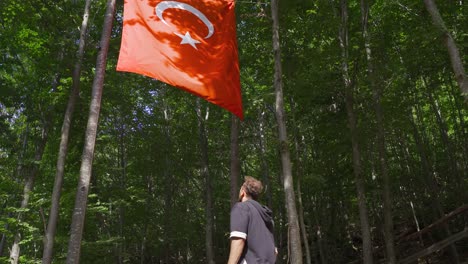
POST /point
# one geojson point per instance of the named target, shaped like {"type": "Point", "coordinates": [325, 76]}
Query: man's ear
{"type": "Point", "coordinates": [241, 194]}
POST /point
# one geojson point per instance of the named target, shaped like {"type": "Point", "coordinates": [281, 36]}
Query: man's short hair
{"type": "Point", "coordinates": [252, 187]}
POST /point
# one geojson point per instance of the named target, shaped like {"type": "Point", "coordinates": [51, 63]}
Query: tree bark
{"type": "Point", "coordinates": [377, 95]}
{"type": "Point", "coordinates": [169, 189]}
{"type": "Point", "coordinates": [460, 126]}
{"type": "Point", "coordinates": [3, 240]}
{"type": "Point", "coordinates": [208, 188]}
{"type": "Point", "coordinates": [446, 140]}
{"type": "Point", "coordinates": [300, 158]}
{"type": "Point", "coordinates": [264, 162]}
{"type": "Point", "coordinates": [352, 122]}
{"type": "Point", "coordinates": [29, 183]}
{"type": "Point", "coordinates": [431, 186]}
{"type": "Point", "coordinates": [294, 232]}
{"type": "Point", "coordinates": [63, 148]}
{"type": "Point", "coordinates": [323, 254]}
{"type": "Point", "coordinates": [302, 223]}
{"type": "Point", "coordinates": [78, 218]}
{"type": "Point", "coordinates": [122, 164]}
{"type": "Point", "coordinates": [455, 58]}
{"type": "Point", "coordinates": [235, 162]}
{"type": "Point", "coordinates": [18, 174]}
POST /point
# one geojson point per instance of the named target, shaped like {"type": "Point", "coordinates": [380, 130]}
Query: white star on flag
{"type": "Point", "coordinates": [187, 39]}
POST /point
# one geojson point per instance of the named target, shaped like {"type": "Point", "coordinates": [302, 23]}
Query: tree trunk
{"type": "Point", "coordinates": [301, 221]}
{"type": "Point", "coordinates": [122, 161]}
{"type": "Point", "coordinates": [208, 189]}
{"type": "Point", "coordinates": [432, 187]}
{"type": "Point", "coordinates": [78, 218]}
{"type": "Point", "coordinates": [63, 149]}
{"type": "Point", "coordinates": [352, 122]}
{"type": "Point", "coordinates": [460, 126]}
{"type": "Point", "coordinates": [323, 254]}
{"type": "Point", "coordinates": [18, 174]}
{"type": "Point", "coordinates": [148, 201]}
{"type": "Point", "coordinates": [446, 140]}
{"type": "Point", "coordinates": [294, 232]}
{"type": "Point", "coordinates": [449, 42]}
{"type": "Point", "coordinates": [300, 158]}
{"type": "Point", "coordinates": [29, 183]}
{"type": "Point", "coordinates": [377, 94]}
{"type": "Point", "coordinates": [3, 240]}
{"type": "Point", "coordinates": [265, 168]}
{"type": "Point", "coordinates": [235, 162]}
{"type": "Point", "coordinates": [169, 186]}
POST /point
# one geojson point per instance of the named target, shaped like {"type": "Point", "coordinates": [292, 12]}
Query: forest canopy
{"type": "Point", "coordinates": [355, 120]}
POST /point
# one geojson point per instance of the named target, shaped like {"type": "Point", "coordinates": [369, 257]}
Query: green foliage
{"type": "Point", "coordinates": [146, 200]}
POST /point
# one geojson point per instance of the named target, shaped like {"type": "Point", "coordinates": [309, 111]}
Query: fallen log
{"type": "Point", "coordinates": [442, 220]}
{"type": "Point", "coordinates": [435, 247]}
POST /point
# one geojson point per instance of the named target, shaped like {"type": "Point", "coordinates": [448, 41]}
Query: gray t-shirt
{"type": "Point", "coordinates": [254, 223]}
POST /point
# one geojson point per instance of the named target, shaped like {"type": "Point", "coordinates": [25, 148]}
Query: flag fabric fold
{"type": "Point", "coordinates": [190, 44]}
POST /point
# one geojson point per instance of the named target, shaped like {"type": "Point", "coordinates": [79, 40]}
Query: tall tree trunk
{"type": "Point", "coordinates": [3, 239]}
{"type": "Point", "coordinates": [449, 42]}
{"type": "Point", "coordinates": [322, 252]}
{"type": "Point", "coordinates": [305, 238]}
{"type": "Point", "coordinates": [265, 168]}
{"type": "Point", "coordinates": [33, 170]}
{"type": "Point", "coordinates": [446, 140]}
{"type": "Point", "coordinates": [169, 189]}
{"type": "Point", "coordinates": [432, 187]}
{"type": "Point", "coordinates": [352, 122]}
{"type": "Point", "coordinates": [63, 149]}
{"type": "Point", "coordinates": [377, 94]}
{"type": "Point", "coordinates": [293, 224]}
{"type": "Point", "coordinates": [148, 201]}
{"type": "Point", "coordinates": [18, 174]}
{"type": "Point", "coordinates": [300, 159]}
{"type": "Point", "coordinates": [122, 164]}
{"type": "Point", "coordinates": [208, 189]}
{"type": "Point", "coordinates": [78, 218]}
{"type": "Point", "coordinates": [29, 182]}
{"type": "Point", "coordinates": [460, 126]}
{"type": "Point", "coordinates": [235, 162]}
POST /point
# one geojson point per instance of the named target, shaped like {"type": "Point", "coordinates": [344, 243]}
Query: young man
{"type": "Point", "coordinates": [252, 240]}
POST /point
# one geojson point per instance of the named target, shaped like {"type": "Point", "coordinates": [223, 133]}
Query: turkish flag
{"type": "Point", "coordinates": [190, 44]}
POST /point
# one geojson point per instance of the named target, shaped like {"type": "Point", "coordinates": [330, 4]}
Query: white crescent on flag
{"type": "Point", "coordinates": [187, 38]}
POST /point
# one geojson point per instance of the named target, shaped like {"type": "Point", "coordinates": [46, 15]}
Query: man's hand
{"type": "Point", "coordinates": [237, 245]}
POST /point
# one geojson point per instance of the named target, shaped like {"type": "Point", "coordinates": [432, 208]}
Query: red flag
{"type": "Point", "coordinates": [190, 44]}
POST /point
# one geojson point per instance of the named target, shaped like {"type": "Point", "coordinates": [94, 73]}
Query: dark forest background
{"type": "Point", "coordinates": [376, 120]}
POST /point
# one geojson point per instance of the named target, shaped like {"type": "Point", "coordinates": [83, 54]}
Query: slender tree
{"type": "Point", "coordinates": [168, 181]}
{"type": "Point", "coordinates": [29, 185]}
{"type": "Point", "coordinates": [430, 181]}
{"type": "Point", "coordinates": [299, 171]}
{"type": "Point", "coordinates": [208, 185]}
{"type": "Point", "coordinates": [264, 163]}
{"type": "Point", "coordinates": [78, 218]}
{"type": "Point", "coordinates": [290, 198]}
{"type": "Point", "coordinates": [454, 53]}
{"type": "Point", "coordinates": [235, 162]}
{"type": "Point", "coordinates": [32, 173]}
{"type": "Point", "coordinates": [63, 148]}
{"type": "Point", "coordinates": [352, 123]}
{"type": "Point", "coordinates": [377, 95]}
{"type": "Point", "coordinates": [18, 172]}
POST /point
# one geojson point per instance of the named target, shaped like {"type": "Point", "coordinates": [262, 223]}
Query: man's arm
{"type": "Point", "coordinates": [237, 245]}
